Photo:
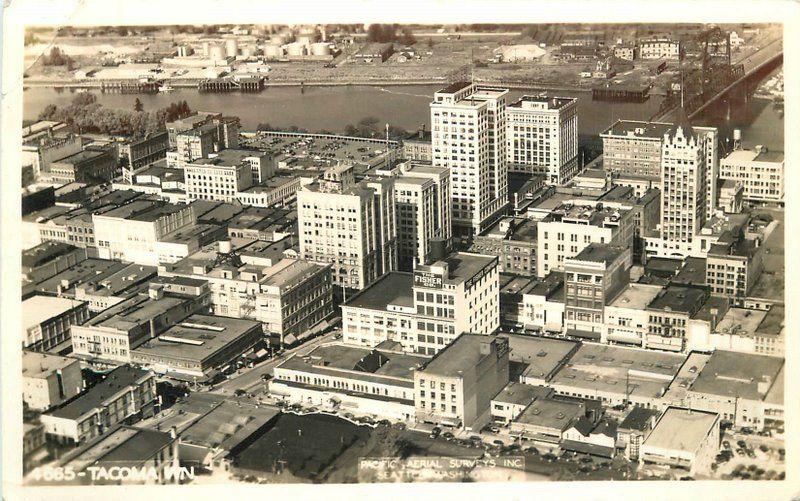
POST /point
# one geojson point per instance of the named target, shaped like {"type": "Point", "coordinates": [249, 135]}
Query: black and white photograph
{"type": "Point", "coordinates": [370, 253]}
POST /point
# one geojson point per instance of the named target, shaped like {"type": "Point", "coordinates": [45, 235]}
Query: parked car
{"type": "Point", "coordinates": [435, 432]}
{"type": "Point", "coordinates": [498, 443]}
{"type": "Point", "coordinates": [266, 377]}
{"type": "Point", "coordinates": [726, 444]}
{"type": "Point", "coordinates": [448, 435]}
{"type": "Point", "coordinates": [494, 429]}
{"type": "Point", "coordinates": [741, 443]}
{"type": "Point", "coordinates": [239, 392]}
{"type": "Point", "coordinates": [549, 457]}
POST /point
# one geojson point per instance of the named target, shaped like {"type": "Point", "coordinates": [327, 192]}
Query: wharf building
{"type": "Point", "coordinates": [542, 137]}
{"type": "Point", "coordinates": [226, 134]}
{"type": "Point", "coordinates": [41, 150]}
{"type": "Point", "coordinates": [125, 395]}
{"type": "Point", "coordinates": [469, 137]}
{"type": "Point", "coordinates": [256, 281]}
{"type": "Point", "coordinates": [456, 386]}
{"type": "Point", "coordinates": [350, 226]}
{"type": "Point", "coordinates": [426, 310]}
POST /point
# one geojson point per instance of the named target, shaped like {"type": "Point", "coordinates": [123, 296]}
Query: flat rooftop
{"type": "Point", "coordinates": [84, 271]}
{"type": "Point", "coordinates": [115, 282]}
{"type": "Point", "coordinates": [677, 298]}
{"type": "Point", "coordinates": [38, 309]}
{"type": "Point", "coordinates": [637, 129]}
{"type": "Point", "coordinates": [681, 430]}
{"type": "Point", "coordinates": [41, 365]}
{"type": "Point", "coordinates": [365, 364]}
{"type": "Point", "coordinates": [551, 413]}
{"type": "Point", "coordinates": [542, 101]}
{"type": "Point", "coordinates": [463, 265]}
{"type": "Point", "coordinates": [521, 394]}
{"type": "Point", "coordinates": [738, 157]}
{"type": "Point", "coordinates": [133, 311]}
{"type": "Point", "coordinates": [393, 288]}
{"type": "Point", "coordinates": [223, 423]}
{"type": "Point", "coordinates": [116, 380]}
{"type": "Point", "coordinates": [636, 296]}
{"type": "Point", "coordinates": [741, 321]}
{"type": "Point", "coordinates": [81, 156]}
{"type": "Point", "coordinates": [607, 368]}
{"type": "Point", "coordinates": [197, 337]}
{"type": "Point", "coordinates": [773, 322]}
{"type": "Point", "coordinates": [44, 253]}
{"type": "Point", "coordinates": [599, 253]}
{"type": "Point", "coordinates": [516, 284]}
{"type": "Point", "coordinates": [459, 356]}
{"type": "Point", "coordinates": [733, 374]}
{"type": "Point", "coordinates": [124, 446]}
{"type": "Point", "coordinates": [540, 355]}
{"type": "Point", "coordinates": [144, 210]}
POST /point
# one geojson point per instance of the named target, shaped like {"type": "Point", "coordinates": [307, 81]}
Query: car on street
{"type": "Point", "coordinates": [447, 435]}
{"type": "Point", "coordinates": [435, 432]}
{"type": "Point", "coordinates": [498, 442]}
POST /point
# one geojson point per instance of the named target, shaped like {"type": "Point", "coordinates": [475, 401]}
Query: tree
{"type": "Point", "coordinates": [138, 106]}
{"type": "Point", "coordinates": [407, 38]}
{"type": "Point", "coordinates": [84, 99]}
{"type": "Point", "coordinates": [122, 31]}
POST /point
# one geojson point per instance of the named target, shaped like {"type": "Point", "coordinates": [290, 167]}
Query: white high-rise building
{"type": "Point", "coordinates": [684, 179]}
{"type": "Point", "coordinates": [350, 226]}
{"type": "Point", "coordinates": [542, 137]}
{"type": "Point", "coordinates": [468, 135]}
{"type": "Point", "coordinates": [422, 204]}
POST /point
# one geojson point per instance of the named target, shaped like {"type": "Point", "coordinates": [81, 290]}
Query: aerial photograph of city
{"type": "Point", "coordinates": [385, 253]}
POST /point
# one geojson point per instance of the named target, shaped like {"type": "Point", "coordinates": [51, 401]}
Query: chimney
{"type": "Point", "coordinates": [156, 291]}
{"type": "Point", "coordinates": [714, 314]}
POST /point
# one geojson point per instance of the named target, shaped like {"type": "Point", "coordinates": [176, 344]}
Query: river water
{"type": "Point", "coordinates": [332, 108]}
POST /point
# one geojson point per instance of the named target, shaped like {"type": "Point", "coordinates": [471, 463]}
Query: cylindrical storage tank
{"type": "Point", "coordinates": [321, 49]}
{"type": "Point", "coordinates": [206, 48]}
{"type": "Point", "coordinates": [273, 51]}
{"type": "Point", "coordinates": [305, 40]}
{"type": "Point", "coordinates": [231, 47]}
{"type": "Point", "coordinates": [737, 134]}
{"type": "Point", "coordinates": [225, 246]}
{"type": "Point", "coordinates": [248, 51]}
{"type": "Point", "coordinates": [216, 52]}
{"type": "Point", "coordinates": [296, 49]}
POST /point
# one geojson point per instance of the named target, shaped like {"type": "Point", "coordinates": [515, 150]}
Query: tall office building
{"type": "Point", "coordinates": [469, 136]}
{"type": "Point", "coordinates": [542, 137]}
{"type": "Point", "coordinates": [422, 204]}
{"type": "Point", "coordinates": [349, 226]}
{"type": "Point", "coordinates": [683, 188]}
{"type": "Point", "coordinates": [633, 148]}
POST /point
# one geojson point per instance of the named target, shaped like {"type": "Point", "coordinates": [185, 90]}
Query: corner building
{"type": "Point", "coordinates": [426, 310]}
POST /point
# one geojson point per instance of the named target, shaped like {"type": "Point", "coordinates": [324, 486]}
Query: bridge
{"type": "Point", "coordinates": [753, 63]}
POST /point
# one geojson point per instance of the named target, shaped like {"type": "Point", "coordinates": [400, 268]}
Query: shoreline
{"type": "Point", "coordinates": [542, 86]}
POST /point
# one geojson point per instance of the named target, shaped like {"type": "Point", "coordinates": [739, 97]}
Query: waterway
{"type": "Point", "coordinates": [332, 108]}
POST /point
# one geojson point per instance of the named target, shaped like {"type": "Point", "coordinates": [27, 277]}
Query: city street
{"type": "Point", "coordinates": [251, 377]}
